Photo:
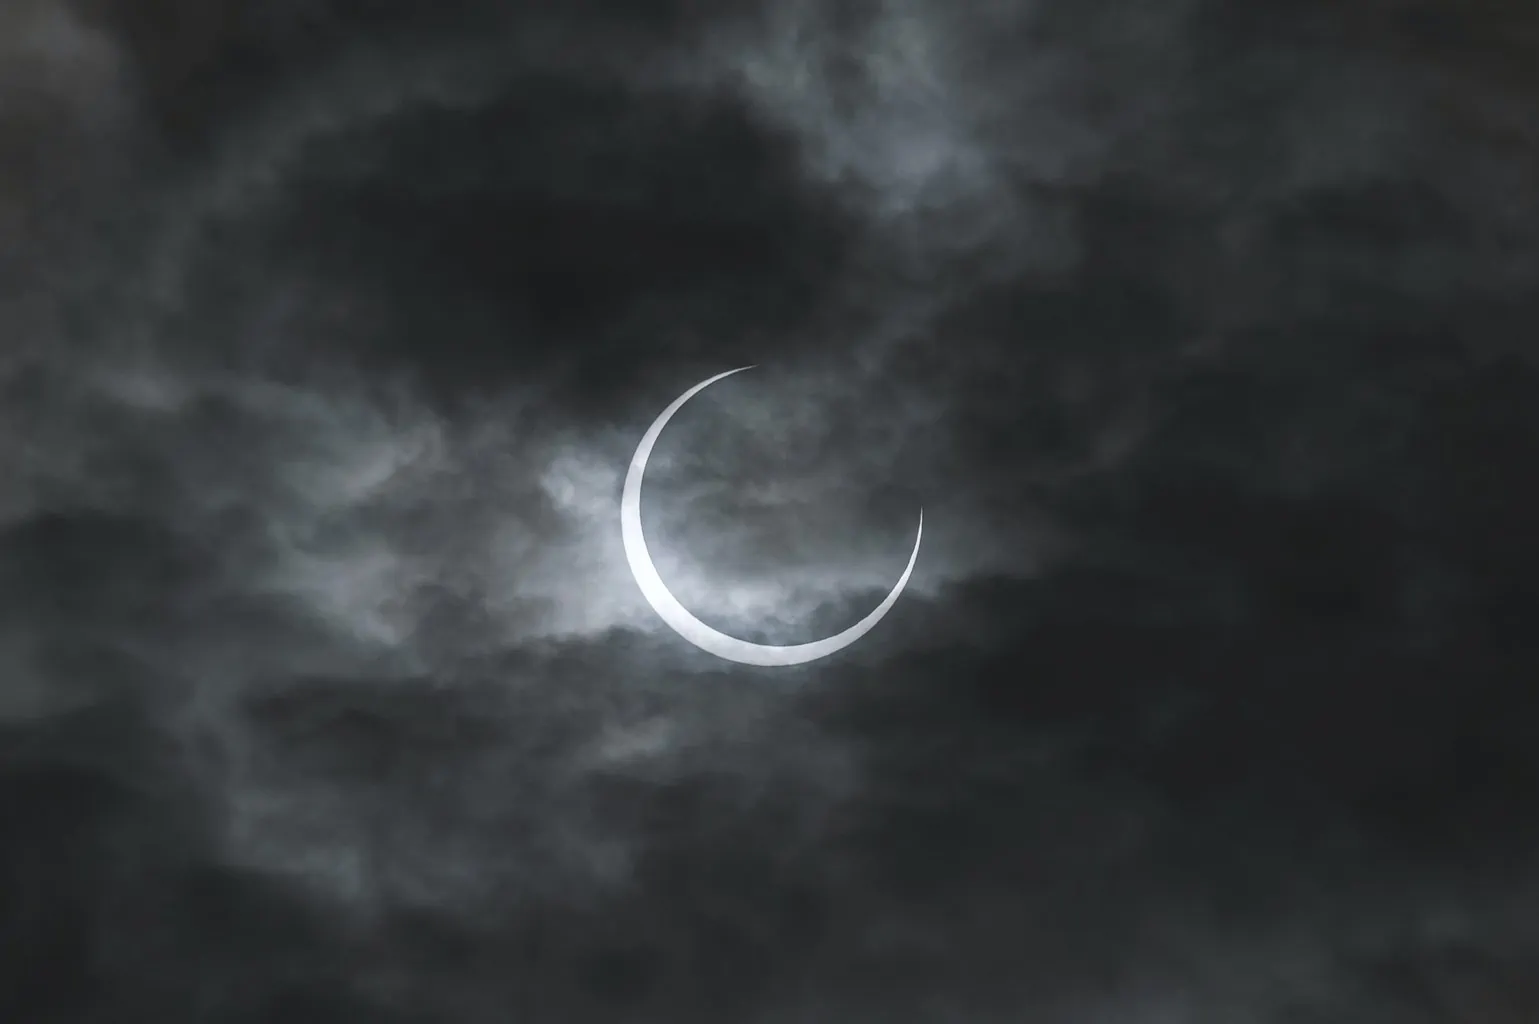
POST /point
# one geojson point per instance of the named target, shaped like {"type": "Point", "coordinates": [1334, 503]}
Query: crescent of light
{"type": "Point", "coordinates": [679, 617]}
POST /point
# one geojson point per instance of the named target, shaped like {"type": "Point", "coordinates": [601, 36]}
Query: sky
{"type": "Point", "coordinates": [1202, 333]}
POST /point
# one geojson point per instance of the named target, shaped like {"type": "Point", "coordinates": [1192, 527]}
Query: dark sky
{"type": "Point", "coordinates": [1204, 334]}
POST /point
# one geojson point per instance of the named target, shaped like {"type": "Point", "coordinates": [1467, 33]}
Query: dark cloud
{"type": "Point", "coordinates": [1201, 335]}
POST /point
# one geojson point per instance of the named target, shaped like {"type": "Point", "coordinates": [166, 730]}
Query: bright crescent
{"type": "Point", "coordinates": [679, 617]}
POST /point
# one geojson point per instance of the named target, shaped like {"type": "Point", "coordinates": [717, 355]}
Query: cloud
{"type": "Point", "coordinates": [892, 107]}
{"type": "Point", "coordinates": [1199, 341]}
{"type": "Point", "coordinates": [56, 58]}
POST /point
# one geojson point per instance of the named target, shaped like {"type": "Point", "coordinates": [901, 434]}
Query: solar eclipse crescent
{"type": "Point", "coordinates": [679, 618]}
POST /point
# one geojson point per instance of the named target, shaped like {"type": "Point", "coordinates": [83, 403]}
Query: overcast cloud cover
{"type": "Point", "coordinates": [1202, 333]}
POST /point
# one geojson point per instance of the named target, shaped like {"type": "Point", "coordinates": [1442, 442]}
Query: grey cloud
{"type": "Point", "coordinates": [1201, 342]}
{"type": "Point", "coordinates": [893, 107]}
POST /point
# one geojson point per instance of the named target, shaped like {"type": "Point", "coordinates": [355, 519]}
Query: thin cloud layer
{"type": "Point", "coordinates": [1201, 336]}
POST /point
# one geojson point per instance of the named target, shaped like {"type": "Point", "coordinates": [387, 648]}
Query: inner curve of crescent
{"type": "Point", "coordinates": [678, 617]}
